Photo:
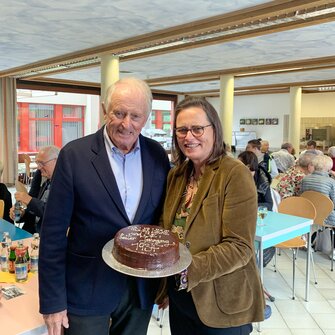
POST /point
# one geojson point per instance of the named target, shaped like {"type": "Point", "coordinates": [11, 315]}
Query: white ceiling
{"type": "Point", "coordinates": [36, 30]}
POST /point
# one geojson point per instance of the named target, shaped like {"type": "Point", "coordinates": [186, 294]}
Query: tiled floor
{"type": "Point", "coordinates": [292, 317]}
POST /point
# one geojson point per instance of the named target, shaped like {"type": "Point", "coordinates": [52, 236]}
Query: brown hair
{"type": "Point", "coordinates": [218, 150]}
{"type": "Point", "coordinates": [249, 159]}
{"type": "Point", "coordinates": [255, 143]}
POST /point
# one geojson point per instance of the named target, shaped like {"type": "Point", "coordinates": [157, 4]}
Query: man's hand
{"type": "Point", "coordinates": [55, 322]}
{"type": "Point", "coordinates": [23, 197]}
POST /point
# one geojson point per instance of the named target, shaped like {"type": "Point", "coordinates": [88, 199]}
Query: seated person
{"type": "Point", "coordinates": [261, 177]}
{"type": "Point", "coordinates": [284, 158]}
{"type": "Point", "coordinates": [311, 149]}
{"type": "Point", "coordinates": [331, 154]}
{"type": "Point", "coordinates": [262, 182]}
{"type": "Point", "coordinates": [265, 147]}
{"type": "Point", "coordinates": [264, 159]}
{"type": "Point", "coordinates": [320, 181]}
{"type": "Point", "coordinates": [290, 182]}
{"type": "Point", "coordinates": [35, 200]}
{"type": "Point", "coordinates": [6, 197]}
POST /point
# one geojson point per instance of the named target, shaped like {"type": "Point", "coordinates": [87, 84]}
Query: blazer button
{"type": "Point", "coordinates": [188, 244]}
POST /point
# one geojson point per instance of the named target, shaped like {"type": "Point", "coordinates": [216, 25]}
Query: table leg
{"type": "Point", "coordinates": [260, 261]}
{"type": "Point", "coordinates": [308, 265]}
{"type": "Point", "coordinates": [261, 271]}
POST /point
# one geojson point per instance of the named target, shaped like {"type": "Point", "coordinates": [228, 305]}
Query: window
{"type": "Point", "coordinates": [40, 125]}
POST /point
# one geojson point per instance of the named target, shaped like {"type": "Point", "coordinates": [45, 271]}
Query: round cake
{"type": "Point", "coordinates": [146, 247]}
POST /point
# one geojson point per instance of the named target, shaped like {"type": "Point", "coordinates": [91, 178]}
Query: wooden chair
{"type": "Point", "coordinates": [299, 207]}
{"type": "Point", "coordinates": [29, 172]}
{"type": "Point", "coordinates": [324, 206]}
{"type": "Point", "coordinates": [2, 208]}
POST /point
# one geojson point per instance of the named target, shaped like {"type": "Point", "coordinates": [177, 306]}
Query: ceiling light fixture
{"type": "Point", "coordinates": [315, 13]}
{"type": "Point", "coordinates": [63, 66]}
{"type": "Point", "coordinates": [326, 88]}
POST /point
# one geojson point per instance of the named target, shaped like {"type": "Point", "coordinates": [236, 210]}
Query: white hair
{"type": "Point", "coordinates": [331, 151]}
{"type": "Point", "coordinates": [322, 163]}
{"type": "Point", "coordinates": [136, 83]}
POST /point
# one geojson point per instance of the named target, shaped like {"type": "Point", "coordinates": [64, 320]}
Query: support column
{"type": "Point", "coordinates": [110, 73]}
{"type": "Point", "coordinates": [227, 106]}
{"type": "Point", "coordinates": [295, 117]}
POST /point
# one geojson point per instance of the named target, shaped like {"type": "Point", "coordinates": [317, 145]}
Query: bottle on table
{"type": "Point", "coordinates": [6, 243]}
{"type": "Point", "coordinates": [11, 259]}
{"type": "Point", "coordinates": [21, 265]}
{"type": "Point", "coordinates": [35, 244]}
{"type": "Point", "coordinates": [27, 257]}
{"type": "Point", "coordinates": [17, 211]}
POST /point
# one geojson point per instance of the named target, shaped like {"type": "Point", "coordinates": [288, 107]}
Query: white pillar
{"type": "Point", "coordinates": [295, 117]}
{"type": "Point", "coordinates": [227, 106]}
{"type": "Point", "coordinates": [110, 73]}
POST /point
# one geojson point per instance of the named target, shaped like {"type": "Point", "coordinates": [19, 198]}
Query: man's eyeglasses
{"type": "Point", "coordinates": [42, 164]}
{"type": "Point", "coordinates": [122, 115]}
{"type": "Point", "coordinates": [196, 131]}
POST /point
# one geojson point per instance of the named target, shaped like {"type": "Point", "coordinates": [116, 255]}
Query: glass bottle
{"type": "Point", "coordinates": [27, 258]}
{"type": "Point", "coordinates": [5, 245]}
{"type": "Point", "coordinates": [35, 244]}
{"type": "Point", "coordinates": [11, 259]}
{"type": "Point", "coordinates": [21, 266]}
{"type": "Point", "coordinates": [17, 211]}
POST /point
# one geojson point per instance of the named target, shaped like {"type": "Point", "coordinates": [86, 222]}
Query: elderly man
{"type": "Point", "coordinates": [34, 202]}
{"type": "Point", "coordinates": [102, 183]}
{"type": "Point", "coordinates": [284, 158]}
{"type": "Point", "coordinates": [265, 147]}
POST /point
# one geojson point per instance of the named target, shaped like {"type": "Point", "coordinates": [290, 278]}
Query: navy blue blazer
{"type": "Point", "coordinates": [85, 198]}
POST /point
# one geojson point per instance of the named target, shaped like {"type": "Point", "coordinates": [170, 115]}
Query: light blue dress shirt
{"type": "Point", "coordinates": [127, 169]}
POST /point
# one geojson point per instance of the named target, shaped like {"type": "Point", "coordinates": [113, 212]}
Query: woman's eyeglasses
{"type": "Point", "coordinates": [196, 131]}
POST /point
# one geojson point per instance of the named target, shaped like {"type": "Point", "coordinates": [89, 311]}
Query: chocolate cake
{"type": "Point", "coordinates": [146, 247]}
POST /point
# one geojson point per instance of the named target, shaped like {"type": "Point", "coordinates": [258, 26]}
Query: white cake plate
{"type": "Point", "coordinates": [184, 261]}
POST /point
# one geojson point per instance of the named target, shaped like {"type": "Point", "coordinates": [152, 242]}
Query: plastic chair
{"type": "Point", "coordinates": [2, 208]}
{"type": "Point", "coordinates": [297, 206]}
{"type": "Point", "coordinates": [324, 206]}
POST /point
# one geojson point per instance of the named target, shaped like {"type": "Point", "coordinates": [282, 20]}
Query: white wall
{"type": "Point", "coordinates": [260, 106]}
{"type": "Point", "coordinates": [276, 106]}
{"type": "Point", "coordinates": [318, 105]}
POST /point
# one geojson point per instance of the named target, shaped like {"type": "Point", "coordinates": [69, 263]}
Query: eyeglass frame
{"type": "Point", "coordinates": [191, 130]}
{"type": "Point", "coordinates": [43, 164]}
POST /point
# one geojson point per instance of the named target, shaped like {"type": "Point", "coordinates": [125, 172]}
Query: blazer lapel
{"type": "Point", "coordinates": [105, 173]}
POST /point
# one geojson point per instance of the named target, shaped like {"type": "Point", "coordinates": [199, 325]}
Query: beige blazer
{"type": "Point", "coordinates": [223, 277]}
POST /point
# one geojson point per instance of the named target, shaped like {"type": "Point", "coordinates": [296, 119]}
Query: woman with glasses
{"type": "Point", "coordinates": [211, 204]}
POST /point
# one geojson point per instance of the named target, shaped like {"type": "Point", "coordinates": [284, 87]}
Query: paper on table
{"type": "Point", "coordinates": [20, 187]}
{"type": "Point", "coordinates": [6, 277]}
